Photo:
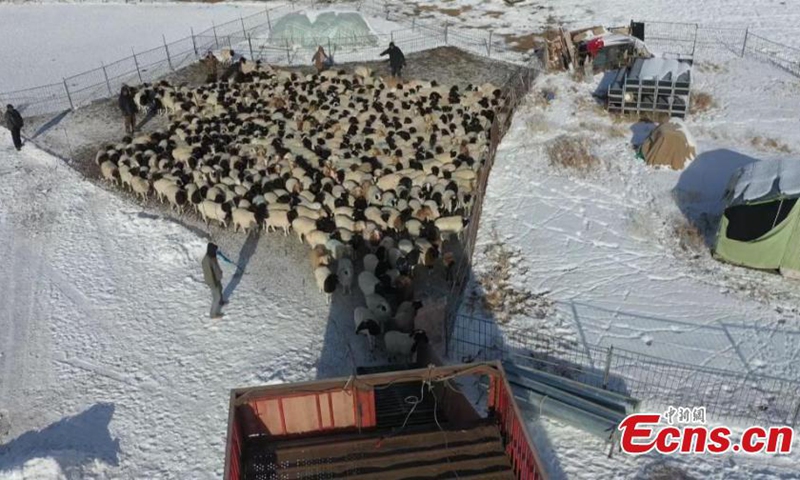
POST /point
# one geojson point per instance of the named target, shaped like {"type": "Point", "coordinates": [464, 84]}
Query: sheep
{"type": "Point", "coordinates": [404, 317]}
{"type": "Point", "coordinates": [452, 225]}
{"type": "Point", "coordinates": [370, 262]}
{"type": "Point", "coordinates": [404, 345]}
{"type": "Point", "coordinates": [176, 196]}
{"type": "Point", "coordinates": [110, 172]}
{"type": "Point", "coordinates": [245, 219]}
{"type": "Point", "coordinates": [302, 226]}
{"type": "Point", "coordinates": [125, 175]}
{"type": "Point", "coordinates": [214, 211]}
{"type": "Point", "coordinates": [326, 282]}
{"type": "Point", "coordinates": [277, 218]}
{"type": "Point", "coordinates": [367, 324]}
{"type": "Point", "coordinates": [319, 257]}
{"type": "Point", "coordinates": [140, 186]}
{"type": "Point", "coordinates": [338, 249]}
{"type": "Point", "coordinates": [344, 270]}
{"type": "Point", "coordinates": [368, 283]}
{"type": "Point", "coordinates": [316, 238]}
{"type": "Point", "coordinates": [379, 306]}
{"type": "Point", "coordinates": [160, 186]}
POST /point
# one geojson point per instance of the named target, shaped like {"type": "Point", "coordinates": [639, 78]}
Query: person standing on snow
{"type": "Point", "coordinates": [14, 123]}
{"type": "Point", "coordinates": [396, 59]}
{"type": "Point", "coordinates": [213, 277]}
{"type": "Point", "coordinates": [212, 67]}
{"type": "Point", "coordinates": [128, 107]}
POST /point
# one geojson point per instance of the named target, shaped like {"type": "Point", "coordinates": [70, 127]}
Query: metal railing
{"type": "Point", "coordinates": [727, 395]}
{"type": "Point", "coordinates": [705, 42]}
{"type": "Point", "coordinates": [249, 35]}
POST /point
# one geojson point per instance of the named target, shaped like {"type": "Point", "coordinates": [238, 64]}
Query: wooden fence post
{"type": "Point", "coordinates": [269, 22]}
{"type": "Point", "coordinates": [744, 45]}
{"type": "Point", "coordinates": [136, 62]}
{"type": "Point", "coordinates": [166, 49]}
{"type": "Point", "coordinates": [491, 33]}
{"type": "Point", "coordinates": [69, 97]}
{"type": "Point", "coordinates": [446, 24]}
{"type": "Point", "coordinates": [288, 58]}
{"type": "Point", "coordinates": [250, 44]}
{"type": "Point", "coordinates": [244, 31]}
{"type": "Point", "coordinates": [105, 74]}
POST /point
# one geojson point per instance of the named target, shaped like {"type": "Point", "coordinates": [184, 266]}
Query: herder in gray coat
{"type": "Point", "coordinates": [213, 277]}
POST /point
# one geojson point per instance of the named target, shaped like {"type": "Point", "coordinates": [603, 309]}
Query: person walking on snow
{"type": "Point", "coordinates": [396, 59]}
{"type": "Point", "coordinates": [128, 107]}
{"type": "Point", "coordinates": [15, 123]}
{"type": "Point", "coordinates": [213, 277]}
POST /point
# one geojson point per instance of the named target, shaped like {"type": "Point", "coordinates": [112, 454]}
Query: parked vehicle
{"type": "Point", "coordinates": [392, 425]}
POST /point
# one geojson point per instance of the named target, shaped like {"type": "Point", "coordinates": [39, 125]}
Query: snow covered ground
{"type": "Point", "coordinates": [607, 246]}
{"type": "Point", "coordinates": [774, 19]}
{"type": "Point", "coordinates": [44, 43]}
{"type": "Point", "coordinates": [109, 367]}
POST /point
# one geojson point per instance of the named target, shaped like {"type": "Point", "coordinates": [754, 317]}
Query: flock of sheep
{"type": "Point", "coordinates": [372, 174]}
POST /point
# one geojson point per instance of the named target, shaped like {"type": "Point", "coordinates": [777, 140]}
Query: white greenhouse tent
{"type": "Point", "coordinates": [339, 29]}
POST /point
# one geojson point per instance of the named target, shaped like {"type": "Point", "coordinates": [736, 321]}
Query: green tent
{"type": "Point", "coordinates": [760, 227]}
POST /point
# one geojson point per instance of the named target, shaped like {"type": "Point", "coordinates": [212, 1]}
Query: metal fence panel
{"type": "Point", "coordinates": [733, 396]}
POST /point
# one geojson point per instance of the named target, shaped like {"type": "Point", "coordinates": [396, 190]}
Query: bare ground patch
{"type": "Point", "coordinates": [498, 295]}
{"type": "Point", "coordinates": [770, 144]}
{"type": "Point", "coordinates": [702, 102]}
{"type": "Point", "coordinates": [450, 12]}
{"type": "Point", "coordinates": [572, 152]}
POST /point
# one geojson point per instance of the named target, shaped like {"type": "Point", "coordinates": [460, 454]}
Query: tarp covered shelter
{"type": "Point", "coordinates": [670, 144]}
{"type": "Point", "coordinates": [328, 29]}
{"type": "Point", "coordinates": [760, 227]}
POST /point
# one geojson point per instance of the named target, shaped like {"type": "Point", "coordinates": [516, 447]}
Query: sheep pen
{"type": "Point", "coordinates": [362, 182]}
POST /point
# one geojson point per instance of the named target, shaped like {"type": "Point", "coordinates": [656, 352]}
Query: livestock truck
{"type": "Point", "coordinates": [408, 424]}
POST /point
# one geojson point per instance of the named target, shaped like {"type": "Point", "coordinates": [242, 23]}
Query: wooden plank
{"type": "Point", "coordinates": [499, 464]}
{"type": "Point", "coordinates": [333, 447]}
{"type": "Point", "coordinates": [419, 454]}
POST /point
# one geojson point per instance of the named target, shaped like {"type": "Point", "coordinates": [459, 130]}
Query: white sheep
{"type": "Point", "coordinates": [140, 186]}
{"type": "Point", "coordinates": [302, 226]}
{"type": "Point", "coordinates": [279, 218]}
{"type": "Point", "coordinates": [379, 306]}
{"type": "Point", "coordinates": [326, 282]}
{"type": "Point", "coordinates": [370, 261]}
{"type": "Point", "coordinates": [214, 211]}
{"type": "Point", "coordinates": [404, 317]}
{"type": "Point", "coordinates": [244, 219]}
{"type": "Point", "coordinates": [344, 270]}
{"type": "Point", "coordinates": [452, 225]}
{"type": "Point", "coordinates": [367, 282]}
{"type": "Point", "coordinates": [110, 171]}
{"type": "Point", "coordinates": [404, 345]}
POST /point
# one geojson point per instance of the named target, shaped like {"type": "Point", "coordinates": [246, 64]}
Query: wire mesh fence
{"type": "Point", "coordinates": [251, 36]}
{"type": "Point", "coordinates": [719, 43]}
{"type": "Point", "coordinates": [731, 396]}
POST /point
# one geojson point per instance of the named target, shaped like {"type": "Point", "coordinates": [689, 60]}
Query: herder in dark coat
{"type": "Point", "coordinates": [14, 123]}
{"type": "Point", "coordinates": [396, 59]}
{"type": "Point", "coordinates": [212, 274]}
{"type": "Point", "coordinates": [128, 107]}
